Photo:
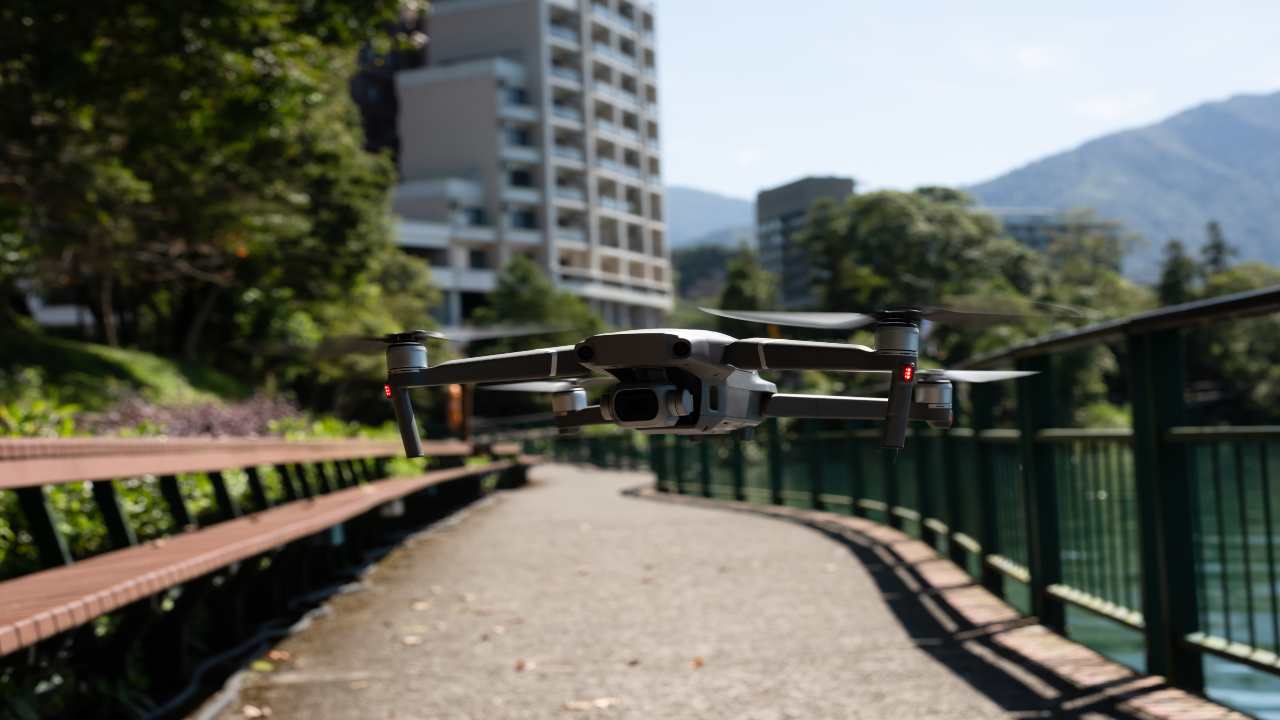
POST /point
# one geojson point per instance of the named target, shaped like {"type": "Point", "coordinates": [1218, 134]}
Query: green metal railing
{"type": "Point", "coordinates": [1161, 528]}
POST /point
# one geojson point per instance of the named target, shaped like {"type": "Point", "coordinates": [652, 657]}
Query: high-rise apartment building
{"type": "Point", "coordinates": [534, 129]}
{"type": "Point", "coordinates": [780, 215]}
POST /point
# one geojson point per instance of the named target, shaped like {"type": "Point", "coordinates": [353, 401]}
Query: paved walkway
{"type": "Point", "coordinates": [567, 599]}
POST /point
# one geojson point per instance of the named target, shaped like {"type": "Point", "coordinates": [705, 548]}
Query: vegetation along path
{"type": "Point", "coordinates": [568, 598]}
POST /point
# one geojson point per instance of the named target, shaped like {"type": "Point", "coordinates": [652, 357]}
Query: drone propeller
{"type": "Point", "coordinates": [951, 314]}
{"type": "Point", "coordinates": [975, 376]}
{"type": "Point", "coordinates": [357, 344]}
{"type": "Point", "coordinates": [550, 386]}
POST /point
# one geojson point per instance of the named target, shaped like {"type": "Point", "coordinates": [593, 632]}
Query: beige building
{"type": "Point", "coordinates": [534, 129]}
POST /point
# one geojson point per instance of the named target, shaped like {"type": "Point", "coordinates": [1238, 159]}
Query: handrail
{"type": "Point", "coordinates": [1234, 306]}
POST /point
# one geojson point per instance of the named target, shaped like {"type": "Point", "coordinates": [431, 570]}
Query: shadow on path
{"type": "Point", "coordinates": [1022, 686]}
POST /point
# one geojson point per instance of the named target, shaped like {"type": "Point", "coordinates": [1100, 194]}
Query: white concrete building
{"type": "Point", "coordinates": [534, 129]}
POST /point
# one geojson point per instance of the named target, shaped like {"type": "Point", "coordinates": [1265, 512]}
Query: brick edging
{"type": "Point", "coordinates": [1086, 680]}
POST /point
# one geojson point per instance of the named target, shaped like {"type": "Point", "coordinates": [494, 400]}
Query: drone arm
{"type": "Point", "coordinates": [768, 354]}
{"type": "Point", "coordinates": [404, 419]}
{"type": "Point", "coordinates": [548, 364]}
{"type": "Point", "coordinates": [825, 407]}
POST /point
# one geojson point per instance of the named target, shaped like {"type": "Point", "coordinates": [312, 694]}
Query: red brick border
{"type": "Point", "coordinates": [1096, 680]}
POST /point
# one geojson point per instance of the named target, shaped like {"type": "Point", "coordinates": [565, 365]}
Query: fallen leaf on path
{"type": "Point", "coordinates": [499, 630]}
{"type": "Point", "coordinates": [633, 662]}
{"type": "Point", "coordinates": [603, 703]}
{"type": "Point", "coordinates": [253, 711]}
{"type": "Point", "coordinates": [422, 605]}
{"type": "Point", "coordinates": [414, 629]}
{"type": "Point", "coordinates": [279, 655]}
{"type": "Point", "coordinates": [697, 662]}
{"type": "Point", "coordinates": [411, 640]}
{"type": "Point", "coordinates": [522, 665]}
{"type": "Point", "coordinates": [359, 684]}
{"type": "Point", "coordinates": [261, 666]}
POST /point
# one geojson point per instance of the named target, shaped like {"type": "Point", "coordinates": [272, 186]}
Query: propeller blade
{"type": "Point", "coordinates": [972, 318]}
{"type": "Point", "coordinates": [549, 386]}
{"type": "Point", "coordinates": [465, 335]}
{"type": "Point", "coordinates": [980, 376]}
{"type": "Point", "coordinates": [533, 386]}
{"type": "Point", "coordinates": [818, 320]}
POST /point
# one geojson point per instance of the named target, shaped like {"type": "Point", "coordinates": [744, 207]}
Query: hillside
{"type": "Point", "coordinates": [693, 214]}
{"type": "Point", "coordinates": [1219, 160]}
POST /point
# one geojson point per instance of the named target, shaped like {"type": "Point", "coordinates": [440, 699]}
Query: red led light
{"type": "Point", "coordinates": [386, 390]}
{"type": "Point", "coordinates": [908, 372]}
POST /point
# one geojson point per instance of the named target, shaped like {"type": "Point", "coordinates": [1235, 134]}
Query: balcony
{"type": "Point", "coordinates": [568, 192]}
{"type": "Point", "coordinates": [565, 112]}
{"type": "Point", "coordinates": [566, 34]}
{"type": "Point", "coordinates": [568, 152]}
{"type": "Point", "coordinates": [571, 235]}
{"type": "Point", "coordinates": [511, 109]}
{"type": "Point", "coordinates": [518, 152]}
{"type": "Point", "coordinates": [603, 88]}
{"type": "Point", "coordinates": [617, 167]}
{"type": "Point", "coordinates": [609, 203]}
{"type": "Point", "coordinates": [521, 193]}
{"type": "Point", "coordinates": [566, 74]}
{"type": "Point", "coordinates": [522, 235]}
{"type": "Point", "coordinates": [613, 18]}
{"type": "Point", "coordinates": [608, 53]}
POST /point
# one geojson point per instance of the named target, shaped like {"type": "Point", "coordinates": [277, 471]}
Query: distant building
{"type": "Point", "coordinates": [780, 215]}
{"type": "Point", "coordinates": [1036, 228]}
{"type": "Point", "coordinates": [533, 129]}
{"type": "Point", "coordinates": [373, 88]}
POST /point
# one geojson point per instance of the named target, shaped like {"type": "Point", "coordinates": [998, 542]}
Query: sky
{"type": "Point", "coordinates": [901, 94]}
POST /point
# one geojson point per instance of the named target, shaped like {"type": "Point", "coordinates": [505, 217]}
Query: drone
{"type": "Point", "coordinates": [702, 382]}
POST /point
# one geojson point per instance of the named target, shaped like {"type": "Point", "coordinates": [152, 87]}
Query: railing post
{"type": "Point", "coordinates": [983, 399]}
{"type": "Point", "coordinates": [257, 489]}
{"type": "Point", "coordinates": [1044, 554]}
{"type": "Point", "coordinates": [816, 457]}
{"type": "Point", "coordinates": [888, 470]}
{"type": "Point", "coordinates": [924, 501]}
{"type": "Point", "coordinates": [49, 541]}
{"type": "Point", "coordinates": [856, 473]}
{"type": "Point", "coordinates": [657, 461]}
{"type": "Point", "coordinates": [286, 483]}
{"type": "Point", "coordinates": [677, 467]}
{"type": "Point", "coordinates": [955, 506]}
{"type": "Point", "coordinates": [704, 465]}
{"type": "Point", "coordinates": [227, 506]}
{"type": "Point", "coordinates": [1165, 509]}
{"type": "Point", "coordinates": [775, 461]}
{"type": "Point", "coordinates": [172, 494]}
{"type": "Point", "coordinates": [739, 470]}
{"type": "Point", "coordinates": [118, 527]}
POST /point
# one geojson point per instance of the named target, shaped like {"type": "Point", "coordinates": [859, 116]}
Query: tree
{"type": "Point", "coordinates": [747, 286]}
{"type": "Point", "coordinates": [525, 296]}
{"type": "Point", "coordinates": [171, 164]}
{"type": "Point", "coordinates": [1217, 252]}
{"type": "Point", "coordinates": [1178, 275]}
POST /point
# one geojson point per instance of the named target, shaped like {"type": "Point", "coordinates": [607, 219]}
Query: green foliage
{"type": "Point", "coordinates": [524, 295]}
{"type": "Point", "coordinates": [700, 269]}
{"type": "Point", "coordinates": [30, 408]}
{"type": "Point", "coordinates": [196, 174]}
{"type": "Point", "coordinates": [1217, 253]}
{"type": "Point", "coordinates": [1178, 275]}
{"type": "Point", "coordinates": [748, 286]}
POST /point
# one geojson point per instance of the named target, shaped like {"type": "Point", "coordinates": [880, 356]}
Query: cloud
{"type": "Point", "coordinates": [747, 156]}
{"type": "Point", "coordinates": [1118, 107]}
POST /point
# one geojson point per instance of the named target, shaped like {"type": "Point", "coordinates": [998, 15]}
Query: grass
{"type": "Point", "coordinates": [94, 375]}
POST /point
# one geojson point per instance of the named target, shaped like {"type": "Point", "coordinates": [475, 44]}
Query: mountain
{"type": "Point", "coordinates": [693, 214]}
{"type": "Point", "coordinates": [1216, 161]}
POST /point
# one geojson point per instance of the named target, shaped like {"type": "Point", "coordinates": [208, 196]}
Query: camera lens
{"type": "Point", "coordinates": [635, 405]}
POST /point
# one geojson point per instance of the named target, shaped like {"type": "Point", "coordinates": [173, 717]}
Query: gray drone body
{"type": "Point", "coordinates": [691, 382]}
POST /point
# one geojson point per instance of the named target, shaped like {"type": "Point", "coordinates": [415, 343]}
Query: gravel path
{"type": "Point", "coordinates": [566, 599]}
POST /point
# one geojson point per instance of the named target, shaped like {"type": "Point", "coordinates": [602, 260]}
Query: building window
{"type": "Point", "coordinates": [524, 219]}
{"type": "Point", "coordinates": [520, 178]}
{"type": "Point", "coordinates": [517, 96]}
{"type": "Point", "coordinates": [519, 137]}
{"type": "Point", "coordinates": [478, 259]}
{"type": "Point", "coordinates": [474, 216]}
